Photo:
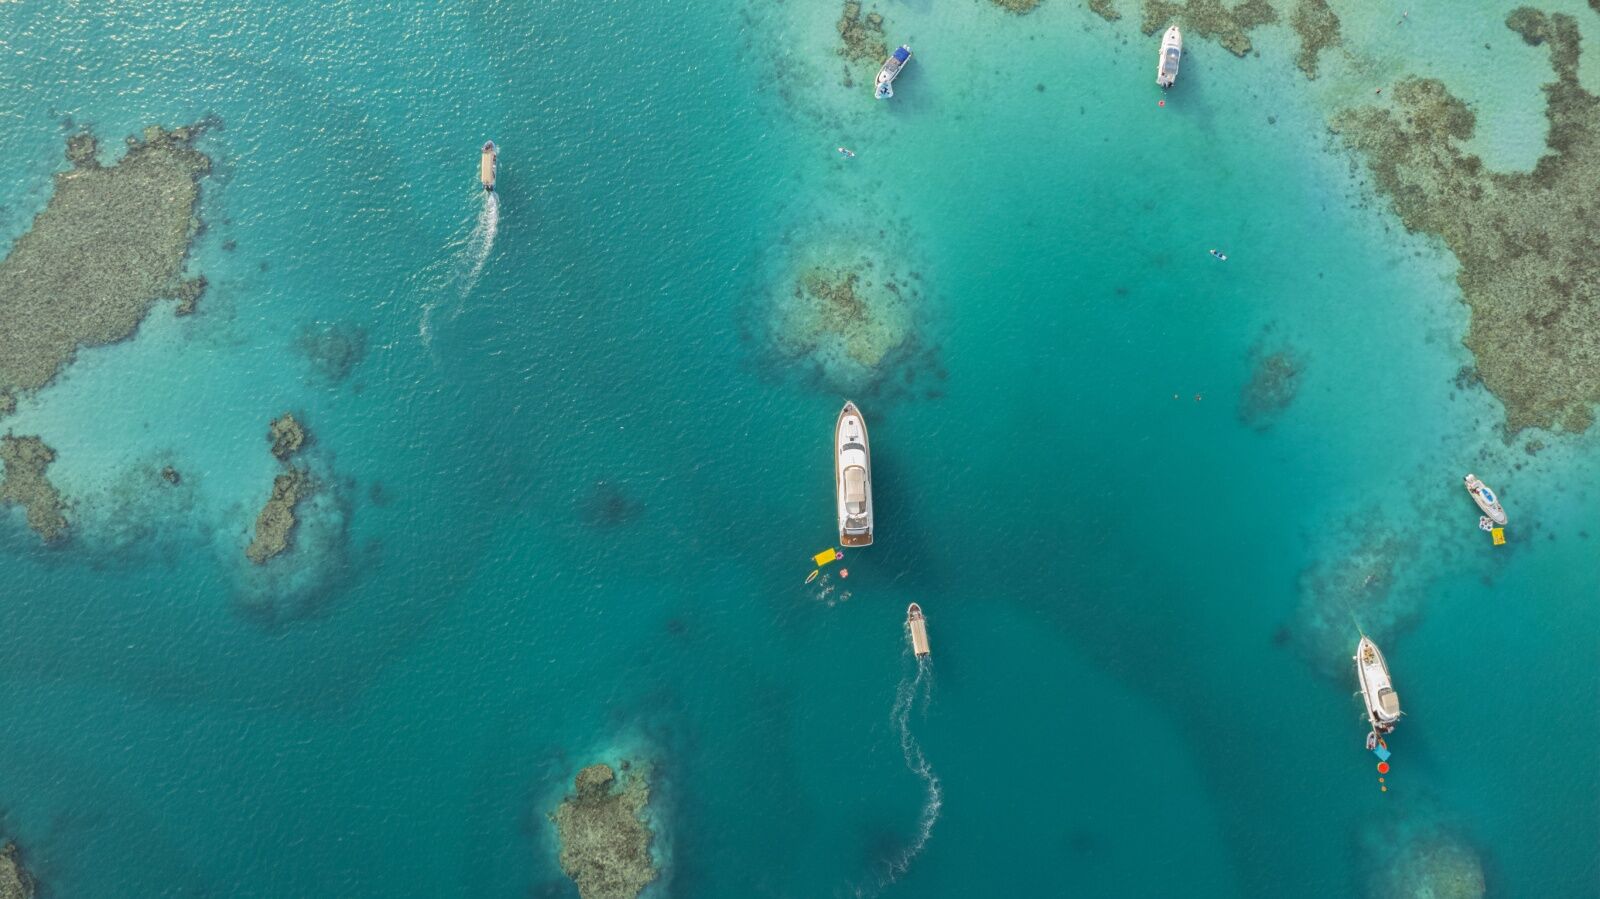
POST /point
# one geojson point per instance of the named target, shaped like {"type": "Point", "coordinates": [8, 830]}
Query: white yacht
{"type": "Point", "coordinates": [919, 630]}
{"type": "Point", "coordinates": [1171, 55]}
{"type": "Point", "coordinates": [1486, 500]}
{"type": "Point", "coordinates": [891, 71]}
{"type": "Point", "coordinates": [1383, 703]}
{"type": "Point", "coordinates": [852, 473]}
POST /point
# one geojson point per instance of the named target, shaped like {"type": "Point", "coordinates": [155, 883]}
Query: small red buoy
{"type": "Point", "coordinates": [1383, 767]}
{"type": "Point", "coordinates": [844, 572]}
{"type": "Point", "coordinates": [1161, 102]}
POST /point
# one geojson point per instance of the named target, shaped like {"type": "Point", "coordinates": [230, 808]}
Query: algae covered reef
{"type": "Point", "coordinates": [275, 524]}
{"type": "Point", "coordinates": [109, 244]}
{"type": "Point", "coordinates": [1416, 854]}
{"type": "Point", "coordinates": [605, 841]}
{"type": "Point", "coordinates": [1019, 7]}
{"type": "Point", "coordinates": [25, 484]}
{"type": "Point", "coordinates": [1528, 243]}
{"type": "Point", "coordinates": [1360, 584]}
{"type": "Point", "coordinates": [14, 880]}
{"type": "Point", "coordinates": [1274, 383]}
{"type": "Point", "coordinates": [1312, 20]}
{"type": "Point", "coordinates": [861, 41]}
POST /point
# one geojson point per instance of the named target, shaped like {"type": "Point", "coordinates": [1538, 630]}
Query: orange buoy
{"type": "Point", "coordinates": [1383, 767]}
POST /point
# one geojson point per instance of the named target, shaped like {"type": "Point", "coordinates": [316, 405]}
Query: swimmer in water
{"type": "Point", "coordinates": [846, 153]}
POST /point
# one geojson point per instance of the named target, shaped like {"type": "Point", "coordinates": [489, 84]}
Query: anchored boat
{"type": "Point", "coordinates": [1486, 500]}
{"type": "Point", "coordinates": [489, 164]}
{"type": "Point", "coordinates": [919, 630]}
{"type": "Point", "coordinates": [852, 473]}
{"type": "Point", "coordinates": [1383, 703]}
{"type": "Point", "coordinates": [891, 71]}
{"type": "Point", "coordinates": [1171, 55]}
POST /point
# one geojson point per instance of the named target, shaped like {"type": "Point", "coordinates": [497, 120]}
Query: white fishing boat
{"type": "Point", "coordinates": [891, 71]}
{"type": "Point", "coordinates": [1486, 500]}
{"type": "Point", "coordinates": [1171, 55]}
{"type": "Point", "coordinates": [919, 630]}
{"type": "Point", "coordinates": [489, 164]}
{"type": "Point", "coordinates": [852, 472]}
{"type": "Point", "coordinates": [1383, 703]}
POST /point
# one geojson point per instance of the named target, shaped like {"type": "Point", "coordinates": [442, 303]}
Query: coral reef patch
{"type": "Point", "coordinates": [1318, 29]}
{"type": "Point", "coordinates": [333, 351]}
{"type": "Point", "coordinates": [1274, 382]}
{"type": "Point", "coordinates": [605, 840]}
{"type": "Point", "coordinates": [1415, 854]}
{"type": "Point", "coordinates": [607, 506]}
{"type": "Point", "coordinates": [861, 42]}
{"type": "Point", "coordinates": [1211, 20]}
{"type": "Point", "coordinates": [276, 522]}
{"type": "Point", "coordinates": [1528, 243]}
{"type": "Point", "coordinates": [286, 436]}
{"type": "Point", "coordinates": [1359, 584]}
{"type": "Point", "coordinates": [109, 244]}
{"type": "Point", "coordinates": [25, 484]}
{"type": "Point", "coordinates": [1105, 9]}
{"type": "Point", "coordinates": [1018, 7]}
{"type": "Point", "coordinates": [15, 883]}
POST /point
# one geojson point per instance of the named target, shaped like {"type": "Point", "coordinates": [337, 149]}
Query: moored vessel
{"type": "Point", "coordinates": [489, 164]}
{"type": "Point", "coordinates": [1171, 55]}
{"type": "Point", "coordinates": [891, 71]}
{"type": "Point", "coordinates": [852, 472]}
{"type": "Point", "coordinates": [1486, 500]}
{"type": "Point", "coordinates": [1383, 703]}
{"type": "Point", "coordinates": [919, 630]}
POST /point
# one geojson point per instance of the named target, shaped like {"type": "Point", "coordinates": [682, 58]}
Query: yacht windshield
{"type": "Point", "coordinates": [1170, 63]}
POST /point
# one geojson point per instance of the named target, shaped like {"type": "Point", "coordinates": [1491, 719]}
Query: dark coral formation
{"type": "Point", "coordinates": [605, 842]}
{"type": "Point", "coordinates": [15, 883]}
{"type": "Point", "coordinates": [286, 436]}
{"type": "Point", "coordinates": [1019, 7]}
{"type": "Point", "coordinates": [275, 524]}
{"type": "Point", "coordinates": [848, 317]}
{"type": "Point", "coordinates": [25, 485]}
{"type": "Point", "coordinates": [276, 521]}
{"type": "Point", "coordinates": [1274, 382]}
{"type": "Point", "coordinates": [1359, 585]}
{"type": "Point", "coordinates": [1417, 854]}
{"type": "Point", "coordinates": [1318, 29]}
{"type": "Point", "coordinates": [1528, 243]}
{"type": "Point", "coordinates": [333, 351]}
{"type": "Point", "coordinates": [861, 39]}
{"type": "Point", "coordinates": [1105, 9]}
{"type": "Point", "coordinates": [109, 244]}
{"type": "Point", "coordinates": [607, 506]}
{"type": "Point", "coordinates": [1210, 19]}
{"type": "Point", "coordinates": [8, 404]}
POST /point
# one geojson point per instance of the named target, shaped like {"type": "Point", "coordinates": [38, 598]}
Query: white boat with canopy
{"type": "Point", "coordinates": [1383, 703]}
{"type": "Point", "coordinates": [1486, 500]}
{"type": "Point", "coordinates": [852, 471]}
{"type": "Point", "coordinates": [1171, 55]}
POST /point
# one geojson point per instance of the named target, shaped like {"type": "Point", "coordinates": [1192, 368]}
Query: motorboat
{"type": "Point", "coordinates": [1486, 500]}
{"type": "Point", "coordinates": [891, 71]}
{"type": "Point", "coordinates": [919, 630]}
{"type": "Point", "coordinates": [1383, 703]}
{"type": "Point", "coordinates": [489, 164]}
{"type": "Point", "coordinates": [852, 472]}
{"type": "Point", "coordinates": [1171, 55]}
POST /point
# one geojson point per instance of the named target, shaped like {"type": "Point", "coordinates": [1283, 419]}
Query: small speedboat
{"type": "Point", "coordinates": [852, 472]}
{"type": "Point", "coordinates": [1383, 703]}
{"type": "Point", "coordinates": [919, 630]}
{"type": "Point", "coordinates": [1486, 500]}
{"type": "Point", "coordinates": [489, 164]}
{"type": "Point", "coordinates": [891, 71]}
{"type": "Point", "coordinates": [1171, 55]}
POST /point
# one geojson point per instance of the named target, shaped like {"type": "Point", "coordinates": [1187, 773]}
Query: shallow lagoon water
{"type": "Point", "coordinates": [580, 506]}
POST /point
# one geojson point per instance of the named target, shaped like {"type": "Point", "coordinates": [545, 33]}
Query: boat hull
{"type": "Point", "coordinates": [1372, 673]}
{"type": "Point", "coordinates": [489, 165]}
{"type": "Point", "coordinates": [1171, 55]}
{"type": "Point", "coordinates": [852, 477]}
{"type": "Point", "coordinates": [1485, 498]}
{"type": "Point", "coordinates": [919, 631]}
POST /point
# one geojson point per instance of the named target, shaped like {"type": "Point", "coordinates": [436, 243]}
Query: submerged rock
{"type": "Point", "coordinates": [605, 843]}
{"type": "Point", "coordinates": [171, 476]}
{"type": "Point", "coordinates": [108, 245]}
{"type": "Point", "coordinates": [275, 524]}
{"type": "Point", "coordinates": [287, 436]}
{"type": "Point", "coordinates": [14, 880]}
{"type": "Point", "coordinates": [1526, 241]}
{"type": "Point", "coordinates": [1274, 383]}
{"type": "Point", "coordinates": [24, 484]}
{"type": "Point", "coordinates": [333, 351]}
{"type": "Point", "coordinates": [860, 39]}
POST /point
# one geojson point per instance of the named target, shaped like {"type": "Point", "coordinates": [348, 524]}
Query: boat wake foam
{"type": "Point", "coordinates": [915, 693]}
{"type": "Point", "coordinates": [467, 257]}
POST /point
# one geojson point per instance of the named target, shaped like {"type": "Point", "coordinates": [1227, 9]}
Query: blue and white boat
{"type": "Point", "coordinates": [891, 71]}
{"type": "Point", "coordinates": [1486, 500]}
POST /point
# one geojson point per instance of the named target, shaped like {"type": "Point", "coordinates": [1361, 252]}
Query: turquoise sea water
{"type": "Point", "coordinates": [576, 483]}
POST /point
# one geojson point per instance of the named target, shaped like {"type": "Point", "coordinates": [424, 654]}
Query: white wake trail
{"type": "Point", "coordinates": [462, 266]}
{"type": "Point", "coordinates": [907, 695]}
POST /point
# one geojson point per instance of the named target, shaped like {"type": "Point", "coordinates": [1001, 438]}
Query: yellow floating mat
{"type": "Point", "coordinates": [1499, 535]}
{"type": "Point", "coordinates": [826, 556]}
